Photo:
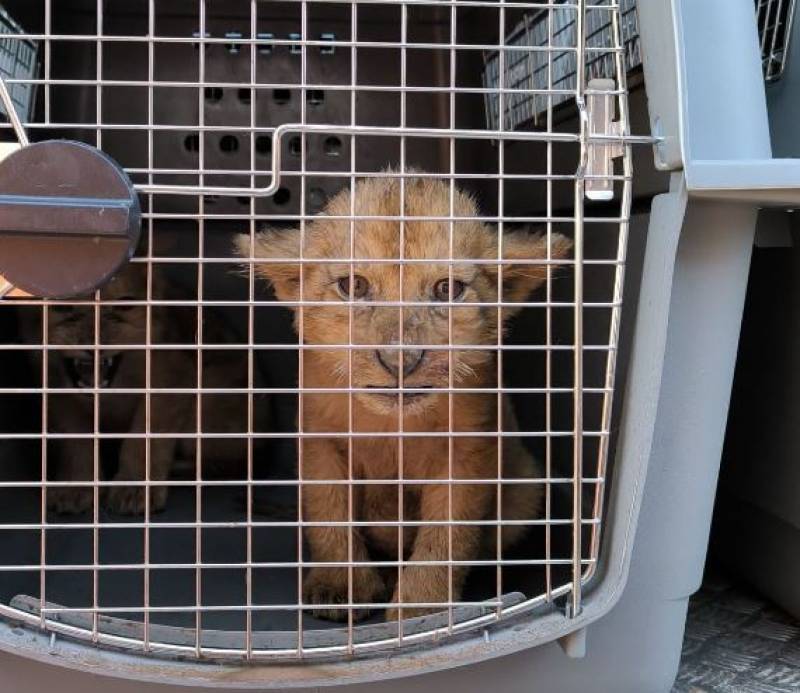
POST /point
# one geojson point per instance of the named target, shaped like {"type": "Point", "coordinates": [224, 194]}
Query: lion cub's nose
{"type": "Point", "coordinates": [390, 360]}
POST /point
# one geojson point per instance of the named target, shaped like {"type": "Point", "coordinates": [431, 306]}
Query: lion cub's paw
{"type": "Point", "coordinates": [130, 500]}
{"type": "Point", "coordinates": [421, 584]}
{"type": "Point", "coordinates": [329, 586]}
{"type": "Point", "coordinates": [70, 500]}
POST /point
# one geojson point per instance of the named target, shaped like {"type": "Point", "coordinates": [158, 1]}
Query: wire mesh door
{"type": "Point", "coordinates": [354, 390]}
{"type": "Point", "coordinates": [775, 19]}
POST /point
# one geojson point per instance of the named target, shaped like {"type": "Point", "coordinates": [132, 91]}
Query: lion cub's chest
{"type": "Point", "coordinates": [382, 458]}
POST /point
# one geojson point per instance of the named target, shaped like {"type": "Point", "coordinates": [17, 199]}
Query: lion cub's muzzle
{"type": "Point", "coordinates": [410, 361]}
{"type": "Point", "coordinates": [391, 360]}
{"type": "Point", "coordinates": [80, 368]}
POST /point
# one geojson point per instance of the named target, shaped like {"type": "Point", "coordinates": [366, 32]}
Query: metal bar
{"type": "Point", "coordinates": [249, 524]}
{"type": "Point", "coordinates": [90, 567]}
{"type": "Point", "coordinates": [499, 317]}
{"type": "Point", "coordinates": [548, 500]}
{"type": "Point", "coordinates": [290, 390]}
{"type": "Point", "coordinates": [250, 352]}
{"type": "Point", "coordinates": [210, 483]}
{"type": "Point", "coordinates": [350, 337]}
{"type": "Point", "coordinates": [301, 330]}
{"type": "Point", "coordinates": [265, 346]}
{"type": "Point", "coordinates": [371, 131]}
{"type": "Point", "coordinates": [401, 566]}
{"type": "Point", "coordinates": [96, 413]}
{"type": "Point", "coordinates": [13, 116]}
{"type": "Point", "coordinates": [148, 363]}
{"type": "Point", "coordinates": [198, 539]}
{"type": "Point", "coordinates": [451, 254]}
{"type": "Point", "coordinates": [575, 603]}
{"type": "Point", "coordinates": [281, 435]}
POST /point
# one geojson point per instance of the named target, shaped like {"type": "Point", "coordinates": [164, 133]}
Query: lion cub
{"type": "Point", "coordinates": [449, 312]}
{"type": "Point", "coordinates": [125, 323]}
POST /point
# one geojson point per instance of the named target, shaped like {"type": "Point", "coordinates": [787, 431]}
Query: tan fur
{"type": "Point", "coordinates": [423, 458]}
{"type": "Point", "coordinates": [73, 459]}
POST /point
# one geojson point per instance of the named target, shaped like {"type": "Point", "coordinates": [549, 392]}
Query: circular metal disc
{"type": "Point", "coordinates": [69, 219]}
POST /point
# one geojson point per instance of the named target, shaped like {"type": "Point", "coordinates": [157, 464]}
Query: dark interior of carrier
{"type": "Point", "coordinates": [173, 228]}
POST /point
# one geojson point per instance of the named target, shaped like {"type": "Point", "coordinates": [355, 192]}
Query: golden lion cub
{"type": "Point", "coordinates": [449, 312]}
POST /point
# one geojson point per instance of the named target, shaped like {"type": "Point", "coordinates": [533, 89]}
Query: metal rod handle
{"type": "Point", "coordinates": [13, 116]}
{"type": "Point", "coordinates": [376, 131]}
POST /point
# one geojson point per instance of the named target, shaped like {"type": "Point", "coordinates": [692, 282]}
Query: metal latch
{"type": "Point", "coordinates": [600, 107]}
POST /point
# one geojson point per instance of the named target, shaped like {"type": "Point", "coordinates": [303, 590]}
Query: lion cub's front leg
{"type": "Point", "coordinates": [75, 463]}
{"type": "Point", "coordinates": [130, 499]}
{"type": "Point", "coordinates": [322, 503]}
{"type": "Point", "coordinates": [431, 584]}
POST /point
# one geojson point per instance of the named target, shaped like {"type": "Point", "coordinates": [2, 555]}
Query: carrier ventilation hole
{"type": "Point", "coordinates": [213, 94]}
{"type": "Point", "coordinates": [315, 97]}
{"type": "Point", "coordinates": [333, 146]}
{"type": "Point", "coordinates": [192, 143]}
{"type": "Point", "coordinates": [211, 199]}
{"type": "Point", "coordinates": [229, 144]}
{"type": "Point", "coordinates": [281, 96]}
{"type": "Point", "coordinates": [295, 146]}
{"type": "Point", "coordinates": [264, 144]}
{"type": "Point", "coordinates": [244, 201]}
{"type": "Point", "coordinates": [282, 196]}
{"type": "Point", "coordinates": [245, 96]}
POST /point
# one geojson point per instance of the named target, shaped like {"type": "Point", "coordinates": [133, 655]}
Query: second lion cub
{"type": "Point", "coordinates": [362, 303]}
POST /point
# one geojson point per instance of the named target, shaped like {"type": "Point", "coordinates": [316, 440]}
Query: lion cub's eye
{"type": "Point", "coordinates": [359, 288]}
{"type": "Point", "coordinates": [444, 291]}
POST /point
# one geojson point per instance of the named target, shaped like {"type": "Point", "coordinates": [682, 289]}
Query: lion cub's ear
{"type": "Point", "coordinates": [275, 244]}
{"type": "Point", "coordinates": [521, 279]}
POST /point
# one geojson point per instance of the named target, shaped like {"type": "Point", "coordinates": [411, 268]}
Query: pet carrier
{"type": "Point", "coordinates": [310, 307]}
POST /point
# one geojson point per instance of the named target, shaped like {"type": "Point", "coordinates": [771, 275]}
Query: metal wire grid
{"type": "Point", "coordinates": [607, 48]}
{"type": "Point", "coordinates": [775, 19]}
{"type": "Point", "coordinates": [526, 69]}
{"type": "Point", "coordinates": [529, 70]}
{"type": "Point", "coordinates": [18, 59]}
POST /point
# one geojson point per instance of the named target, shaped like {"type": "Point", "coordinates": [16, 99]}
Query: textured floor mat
{"type": "Point", "coordinates": [736, 642]}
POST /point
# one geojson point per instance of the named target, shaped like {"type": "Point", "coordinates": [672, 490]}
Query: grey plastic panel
{"type": "Point", "coordinates": [723, 107]}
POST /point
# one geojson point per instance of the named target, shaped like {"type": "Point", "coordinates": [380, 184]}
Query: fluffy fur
{"type": "Point", "coordinates": [370, 323]}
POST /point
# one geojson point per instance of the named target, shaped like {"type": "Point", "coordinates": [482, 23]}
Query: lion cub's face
{"type": "Point", "coordinates": [444, 303]}
{"type": "Point", "coordinates": [119, 324]}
